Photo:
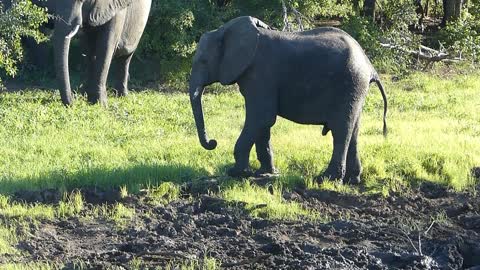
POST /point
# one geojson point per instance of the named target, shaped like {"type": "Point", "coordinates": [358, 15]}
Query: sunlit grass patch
{"type": "Point", "coordinates": [268, 202]}
{"type": "Point", "coordinates": [163, 193]}
{"type": "Point", "coordinates": [29, 266]}
{"type": "Point", "coordinates": [71, 205]}
{"type": "Point", "coordinates": [10, 209]}
{"type": "Point", "coordinates": [117, 213]}
{"type": "Point", "coordinates": [205, 264]}
{"type": "Point", "coordinates": [8, 238]}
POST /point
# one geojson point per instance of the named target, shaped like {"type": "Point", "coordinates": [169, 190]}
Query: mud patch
{"type": "Point", "coordinates": [427, 229]}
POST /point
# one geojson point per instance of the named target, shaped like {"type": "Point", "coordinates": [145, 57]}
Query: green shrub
{"type": "Point", "coordinates": [392, 28]}
{"type": "Point", "coordinates": [22, 20]}
{"type": "Point", "coordinates": [462, 37]}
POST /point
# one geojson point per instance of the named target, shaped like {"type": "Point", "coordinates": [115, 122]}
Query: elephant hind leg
{"type": "Point", "coordinates": [265, 153]}
{"type": "Point", "coordinates": [122, 74]}
{"type": "Point", "coordinates": [342, 132]}
{"type": "Point", "coordinates": [353, 166]}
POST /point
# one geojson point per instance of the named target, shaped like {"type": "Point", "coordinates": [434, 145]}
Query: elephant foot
{"type": "Point", "coordinates": [98, 99]}
{"type": "Point", "coordinates": [352, 180]}
{"type": "Point", "coordinates": [241, 173]}
{"type": "Point", "coordinates": [267, 172]}
{"type": "Point", "coordinates": [67, 100]}
{"type": "Point", "coordinates": [329, 175]}
{"type": "Point", "coordinates": [121, 93]}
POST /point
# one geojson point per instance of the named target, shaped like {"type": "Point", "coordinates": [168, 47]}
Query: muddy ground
{"type": "Point", "coordinates": [429, 228]}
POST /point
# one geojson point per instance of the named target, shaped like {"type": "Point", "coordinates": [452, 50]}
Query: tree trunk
{"type": "Point", "coordinates": [369, 7]}
{"type": "Point", "coordinates": [458, 8]}
{"type": "Point", "coordinates": [451, 10]}
{"type": "Point", "coordinates": [426, 8]}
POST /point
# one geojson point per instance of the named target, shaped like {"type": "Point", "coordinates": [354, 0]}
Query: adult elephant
{"type": "Point", "coordinates": [318, 77]}
{"type": "Point", "coordinates": [112, 28]}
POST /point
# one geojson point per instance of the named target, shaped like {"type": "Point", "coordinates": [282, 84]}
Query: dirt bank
{"type": "Point", "coordinates": [430, 228]}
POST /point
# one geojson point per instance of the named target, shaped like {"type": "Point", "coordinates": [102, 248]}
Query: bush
{"type": "Point", "coordinates": [393, 28]}
{"type": "Point", "coordinates": [22, 20]}
{"type": "Point", "coordinates": [462, 37]}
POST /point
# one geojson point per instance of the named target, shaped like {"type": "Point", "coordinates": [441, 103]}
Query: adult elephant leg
{"type": "Point", "coordinates": [265, 153]}
{"type": "Point", "coordinates": [122, 74]}
{"type": "Point", "coordinates": [89, 43]}
{"type": "Point", "coordinates": [107, 37]}
{"type": "Point", "coordinates": [353, 165]}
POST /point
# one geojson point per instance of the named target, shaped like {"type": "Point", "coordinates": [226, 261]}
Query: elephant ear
{"type": "Point", "coordinates": [104, 10]}
{"type": "Point", "coordinates": [240, 41]}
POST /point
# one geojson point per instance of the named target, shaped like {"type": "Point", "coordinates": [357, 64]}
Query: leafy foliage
{"type": "Point", "coordinates": [22, 20]}
{"type": "Point", "coordinates": [462, 36]}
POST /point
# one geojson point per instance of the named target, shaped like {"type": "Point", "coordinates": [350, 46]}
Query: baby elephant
{"type": "Point", "coordinates": [317, 77]}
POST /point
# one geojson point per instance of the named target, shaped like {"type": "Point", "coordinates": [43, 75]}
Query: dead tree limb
{"type": "Point", "coordinates": [287, 26]}
{"type": "Point", "coordinates": [425, 53]}
{"type": "Point", "coordinates": [286, 22]}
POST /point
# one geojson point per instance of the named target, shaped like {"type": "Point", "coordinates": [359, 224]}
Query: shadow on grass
{"type": "Point", "coordinates": [134, 178]}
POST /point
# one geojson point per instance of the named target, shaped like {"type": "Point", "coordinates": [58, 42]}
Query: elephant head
{"type": "Point", "coordinates": [222, 56]}
{"type": "Point", "coordinates": [70, 16]}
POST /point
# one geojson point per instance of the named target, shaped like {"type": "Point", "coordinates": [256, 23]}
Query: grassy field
{"type": "Point", "coordinates": [149, 138]}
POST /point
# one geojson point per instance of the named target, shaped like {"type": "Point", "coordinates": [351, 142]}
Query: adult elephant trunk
{"type": "Point", "coordinates": [61, 42]}
{"type": "Point", "coordinates": [196, 91]}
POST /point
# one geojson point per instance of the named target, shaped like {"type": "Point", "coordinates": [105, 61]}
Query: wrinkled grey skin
{"type": "Point", "coordinates": [112, 28]}
{"type": "Point", "coordinates": [317, 77]}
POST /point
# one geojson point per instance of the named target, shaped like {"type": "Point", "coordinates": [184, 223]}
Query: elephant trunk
{"type": "Point", "coordinates": [62, 37]}
{"type": "Point", "coordinates": [196, 92]}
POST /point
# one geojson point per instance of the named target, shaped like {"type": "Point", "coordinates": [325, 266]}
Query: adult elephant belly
{"type": "Point", "coordinates": [135, 22]}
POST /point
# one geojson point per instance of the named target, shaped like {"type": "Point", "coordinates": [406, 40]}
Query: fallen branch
{"type": "Point", "coordinates": [425, 53]}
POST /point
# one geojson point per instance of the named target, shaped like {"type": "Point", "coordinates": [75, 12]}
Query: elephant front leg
{"type": "Point", "coordinates": [353, 166]}
{"type": "Point", "coordinates": [265, 154]}
{"type": "Point", "coordinates": [106, 42]}
{"type": "Point", "coordinates": [121, 85]}
{"type": "Point", "coordinates": [261, 116]}
{"type": "Point", "coordinates": [241, 153]}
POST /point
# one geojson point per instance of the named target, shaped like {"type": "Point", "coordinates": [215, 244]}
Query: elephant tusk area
{"type": "Point", "coordinates": [73, 33]}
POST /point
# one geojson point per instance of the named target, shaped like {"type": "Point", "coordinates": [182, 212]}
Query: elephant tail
{"type": "Point", "coordinates": [376, 79]}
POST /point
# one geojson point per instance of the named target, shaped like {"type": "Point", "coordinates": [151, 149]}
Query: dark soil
{"type": "Point", "coordinates": [430, 228]}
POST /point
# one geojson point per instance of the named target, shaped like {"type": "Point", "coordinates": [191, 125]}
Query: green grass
{"type": "Point", "coordinates": [8, 238]}
{"type": "Point", "coordinates": [17, 210]}
{"type": "Point", "coordinates": [29, 266]}
{"type": "Point", "coordinates": [261, 202]}
{"type": "Point", "coordinates": [149, 138]}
